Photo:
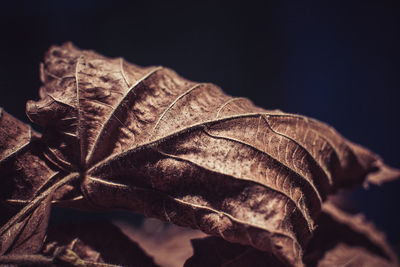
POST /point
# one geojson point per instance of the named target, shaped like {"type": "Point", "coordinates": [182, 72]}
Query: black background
{"type": "Point", "coordinates": [337, 61]}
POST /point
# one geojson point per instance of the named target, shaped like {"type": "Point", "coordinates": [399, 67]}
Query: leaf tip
{"type": "Point", "coordinates": [382, 175]}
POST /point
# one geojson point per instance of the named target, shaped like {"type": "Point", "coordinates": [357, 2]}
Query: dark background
{"type": "Point", "coordinates": [337, 61]}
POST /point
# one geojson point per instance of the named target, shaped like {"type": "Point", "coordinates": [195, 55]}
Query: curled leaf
{"type": "Point", "coordinates": [97, 242]}
{"type": "Point", "coordinates": [26, 236]}
{"type": "Point", "coordinates": [27, 176]}
{"type": "Point", "coordinates": [22, 166]}
{"type": "Point", "coordinates": [29, 183]}
{"type": "Point", "coordinates": [23, 172]}
{"type": "Point", "coordinates": [148, 140]}
{"type": "Point", "coordinates": [343, 239]}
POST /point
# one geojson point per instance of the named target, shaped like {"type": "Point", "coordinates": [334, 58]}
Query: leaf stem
{"type": "Point", "coordinates": [36, 201]}
{"type": "Point", "coordinates": [26, 259]}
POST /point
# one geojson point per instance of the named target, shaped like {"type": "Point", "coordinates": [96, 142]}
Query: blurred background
{"type": "Point", "coordinates": [337, 61]}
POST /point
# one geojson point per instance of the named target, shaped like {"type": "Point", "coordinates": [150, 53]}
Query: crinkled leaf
{"type": "Point", "coordinates": [148, 140]}
{"type": "Point", "coordinates": [342, 239]}
{"type": "Point", "coordinates": [29, 182]}
{"type": "Point", "coordinates": [100, 242]}
{"type": "Point", "coordinates": [26, 236]}
{"type": "Point", "coordinates": [23, 168]}
{"type": "Point", "coordinates": [23, 172]}
{"type": "Point", "coordinates": [151, 141]}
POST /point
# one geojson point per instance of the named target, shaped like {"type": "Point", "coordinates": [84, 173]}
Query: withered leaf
{"type": "Point", "coordinates": [22, 173]}
{"type": "Point", "coordinates": [168, 244]}
{"type": "Point", "coordinates": [148, 140]}
{"type": "Point", "coordinates": [26, 181]}
{"type": "Point", "coordinates": [343, 239]}
{"type": "Point", "coordinates": [97, 242]}
{"type": "Point", "coordinates": [23, 169]}
{"type": "Point", "coordinates": [27, 236]}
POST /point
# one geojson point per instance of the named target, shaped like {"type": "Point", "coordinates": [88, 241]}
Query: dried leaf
{"type": "Point", "coordinates": [343, 239]}
{"type": "Point", "coordinates": [27, 236]}
{"type": "Point", "coordinates": [81, 245]}
{"type": "Point", "coordinates": [97, 242]}
{"type": "Point", "coordinates": [26, 173]}
{"type": "Point", "coordinates": [26, 180]}
{"type": "Point", "coordinates": [22, 172]}
{"type": "Point", "coordinates": [168, 244]}
{"type": "Point", "coordinates": [23, 169]}
{"type": "Point", "coordinates": [148, 140]}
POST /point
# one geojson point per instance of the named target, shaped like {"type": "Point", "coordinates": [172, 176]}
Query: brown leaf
{"type": "Point", "coordinates": [84, 245]}
{"type": "Point", "coordinates": [26, 236]}
{"type": "Point", "coordinates": [23, 169]}
{"type": "Point", "coordinates": [26, 173]}
{"type": "Point", "coordinates": [23, 173]}
{"type": "Point", "coordinates": [97, 242]}
{"type": "Point", "coordinates": [168, 244]}
{"type": "Point", "coordinates": [29, 182]}
{"type": "Point", "coordinates": [342, 239]}
{"type": "Point", "coordinates": [148, 140]}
